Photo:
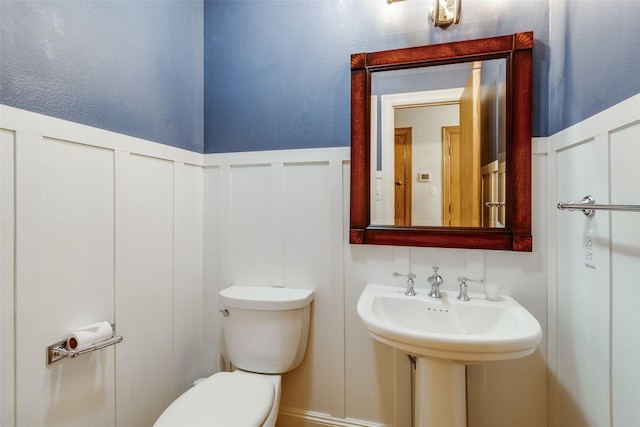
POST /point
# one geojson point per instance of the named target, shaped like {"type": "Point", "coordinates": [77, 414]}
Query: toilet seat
{"type": "Point", "coordinates": [224, 399]}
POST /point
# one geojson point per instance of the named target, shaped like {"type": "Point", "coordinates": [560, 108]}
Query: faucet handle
{"type": "Point", "coordinates": [435, 279]}
{"type": "Point", "coordinates": [463, 287]}
{"type": "Point", "coordinates": [464, 280]}
{"type": "Point", "coordinates": [410, 276]}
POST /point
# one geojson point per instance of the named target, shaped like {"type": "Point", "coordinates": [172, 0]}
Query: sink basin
{"type": "Point", "coordinates": [445, 334]}
{"type": "Point", "coordinates": [447, 328]}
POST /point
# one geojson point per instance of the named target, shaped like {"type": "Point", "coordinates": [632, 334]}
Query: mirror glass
{"type": "Point", "coordinates": [438, 145]}
{"type": "Point", "coordinates": [441, 145]}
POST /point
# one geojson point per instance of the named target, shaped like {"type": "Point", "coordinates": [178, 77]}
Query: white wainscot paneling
{"type": "Point", "coordinates": [513, 392]}
{"type": "Point", "coordinates": [625, 272]}
{"type": "Point", "coordinates": [214, 259]}
{"type": "Point", "coordinates": [107, 227]}
{"type": "Point", "coordinates": [255, 257]}
{"type": "Point", "coordinates": [144, 288]}
{"type": "Point", "coordinates": [582, 294]}
{"type": "Point", "coordinates": [7, 277]}
{"type": "Point", "coordinates": [593, 355]}
{"type": "Point", "coordinates": [372, 380]}
{"type": "Point", "coordinates": [306, 222]}
{"type": "Point", "coordinates": [188, 292]}
{"type": "Point", "coordinates": [281, 218]}
{"type": "Point", "coordinates": [65, 254]}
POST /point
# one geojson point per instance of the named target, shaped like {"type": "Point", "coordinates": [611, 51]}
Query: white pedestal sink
{"type": "Point", "coordinates": [445, 334]}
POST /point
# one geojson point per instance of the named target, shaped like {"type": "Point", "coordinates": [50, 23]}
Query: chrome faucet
{"type": "Point", "coordinates": [435, 281]}
{"type": "Point", "coordinates": [462, 296]}
{"type": "Point", "coordinates": [410, 276]}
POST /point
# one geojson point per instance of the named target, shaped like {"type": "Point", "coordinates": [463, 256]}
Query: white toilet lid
{"type": "Point", "coordinates": [224, 399]}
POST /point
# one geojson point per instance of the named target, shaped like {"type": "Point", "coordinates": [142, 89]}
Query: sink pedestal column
{"type": "Point", "coordinates": [441, 397]}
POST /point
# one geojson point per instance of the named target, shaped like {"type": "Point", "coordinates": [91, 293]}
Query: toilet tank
{"type": "Point", "coordinates": [267, 328]}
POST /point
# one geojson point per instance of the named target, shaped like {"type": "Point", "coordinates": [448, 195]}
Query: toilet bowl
{"type": "Point", "coordinates": [266, 332]}
{"type": "Point", "coordinates": [226, 399]}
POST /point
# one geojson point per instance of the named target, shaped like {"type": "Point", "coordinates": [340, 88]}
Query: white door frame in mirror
{"type": "Point", "coordinates": [383, 188]}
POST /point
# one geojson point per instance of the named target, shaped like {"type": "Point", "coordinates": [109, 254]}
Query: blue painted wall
{"type": "Point", "coordinates": [243, 75]}
{"type": "Point", "coordinates": [277, 72]}
{"type": "Point", "coordinates": [595, 58]}
{"type": "Point", "coordinates": [133, 67]}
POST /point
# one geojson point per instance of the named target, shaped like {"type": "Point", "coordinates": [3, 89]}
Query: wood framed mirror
{"type": "Point", "coordinates": [478, 199]}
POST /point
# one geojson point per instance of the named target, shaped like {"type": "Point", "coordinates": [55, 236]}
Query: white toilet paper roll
{"type": "Point", "coordinates": [87, 335]}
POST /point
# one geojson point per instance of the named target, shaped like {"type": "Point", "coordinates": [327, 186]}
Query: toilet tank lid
{"type": "Point", "coordinates": [265, 298]}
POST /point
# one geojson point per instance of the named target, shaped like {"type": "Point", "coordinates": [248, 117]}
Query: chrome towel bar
{"type": "Point", "coordinates": [58, 351]}
{"type": "Point", "coordinates": [588, 206]}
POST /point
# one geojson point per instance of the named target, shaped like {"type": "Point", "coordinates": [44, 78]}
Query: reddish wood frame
{"type": "Point", "coordinates": [516, 236]}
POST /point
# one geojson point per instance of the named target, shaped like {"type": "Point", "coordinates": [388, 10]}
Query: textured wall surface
{"type": "Point", "coordinates": [277, 72]}
{"type": "Point", "coordinates": [133, 67]}
{"type": "Point", "coordinates": [593, 64]}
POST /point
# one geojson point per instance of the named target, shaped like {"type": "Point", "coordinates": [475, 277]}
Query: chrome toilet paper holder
{"type": "Point", "coordinates": [58, 351]}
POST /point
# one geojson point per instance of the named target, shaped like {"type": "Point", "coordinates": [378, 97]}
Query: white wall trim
{"type": "Point", "coordinates": [307, 155]}
{"type": "Point", "coordinates": [552, 289]}
{"type": "Point", "coordinates": [7, 277]}
{"type": "Point", "coordinates": [617, 116]}
{"type": "Point", "coordinates": [539, 145]}
{"type": "Point", "coordinates": [300, 418]}
{"type": "Point", "coordinates": [50, 127]}
{"type": "Point", "coordinates": [28, 122]}
{"type": "Point", "coordinates": [277, 224]}
{"type": "Point", "coordinates": [338, 386]}
{"type": "Point", "coordinates": [388, 105]}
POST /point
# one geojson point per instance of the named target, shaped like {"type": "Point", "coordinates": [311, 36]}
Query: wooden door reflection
{"type": "Point", "coordinates": [402, 178]}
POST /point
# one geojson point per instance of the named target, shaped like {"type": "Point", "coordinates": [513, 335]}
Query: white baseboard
{"type": "Point", "coordinates": [292, 417]}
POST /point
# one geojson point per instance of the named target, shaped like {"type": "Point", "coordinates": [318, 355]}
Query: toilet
{"type": "Point", "coordinates": [266, 330]}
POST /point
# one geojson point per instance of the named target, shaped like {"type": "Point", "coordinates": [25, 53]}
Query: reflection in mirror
{"type": "Point", "coordinates": [438, 149]}
{"type": "Point", "coordinates": [441, 145]}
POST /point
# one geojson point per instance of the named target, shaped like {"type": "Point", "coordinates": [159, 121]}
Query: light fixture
{"type": "Point", "coordinates": [445, 12]}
